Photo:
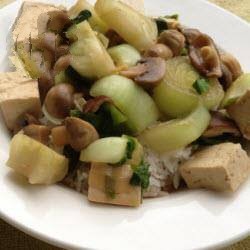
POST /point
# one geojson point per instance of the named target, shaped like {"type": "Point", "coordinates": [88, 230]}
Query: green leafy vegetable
{"type": "Point", "coordinates": [141, 175]}
{"type": "Point", "coordinates": [201, 86]}
{"type": "Point", "coordinates": [110, 186]}
{"type": "Point", "coordinates": [108, 120]}
{"type": "Point", "coordinates": [129, 150]}
{"type": "Point", "coordinates": [174, 16]}
{"type": "Point", "coordinates": [161, 24]}
{"type": "Point", "coordinates": [73, 157]}
{"type": "Point", "coordinates": [82, 16]}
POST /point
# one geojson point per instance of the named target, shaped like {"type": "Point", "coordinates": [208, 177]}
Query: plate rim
{"type": "Point", "coordinates": [63, 243]}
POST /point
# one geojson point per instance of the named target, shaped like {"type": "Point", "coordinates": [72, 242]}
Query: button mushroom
{"type": "Point", "coordinates": [60, 136]}
{"type": "Point", "coordinates": [219, 125]}
{"type": "Point", "coordinates": [148, 73]}
{"type": "Point", "coordinates": [159, 50]}
{"type": "Point", "coordinates": [62, 63]}
{"type": "Point", "coordinates": [174, 39]}
{"type": "Point", "coordinates": [38, 132]}
{"type": "Point", "coordinates": [203, 53]}
{"type": "Point", "coordinates": [81, 133]}
{"type": "Point", "coordinates": [59, 100]}
{"type": "Point", "coordinates": [232, 64]}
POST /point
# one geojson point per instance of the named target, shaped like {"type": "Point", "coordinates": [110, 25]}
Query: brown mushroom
{"type": "Point", "coordinates": [148, 73]}
{"type": "Point", "coordinates": [60, 136]}
{"type": "Point", "coordinates": [232, 64]}
{"type": "Point", "coordinates": [114, 38]}
{"type": "Point", "coordinates": [58, 20]}
{"type": "Point", "coordinates": [59, 100]}
{"type": "Point", "coordinates": [174, 39]}
{"type": "Point", "coordinates": [62, 50]}
{"type": "Point", "coordinates": [203, 53]}
{"type": "Point", "coordinates": [45, 82]}
{"type": "Point", "coordinates": [94, 104]}
{"type": "Point", "coordinates": [81, 133]}
{"type": "Point", "coordinates": [62, 63]}
{"type": "Point", "coordinates": [38, 132]}
{"type": "Point", "coordinates": [219, 125]}
{"type": "Point", "coordinates": [227, 78]}
{"type": "Point", "coordinates": [159, 50]}
{"type": "Point", "coordinates": [25, 120]}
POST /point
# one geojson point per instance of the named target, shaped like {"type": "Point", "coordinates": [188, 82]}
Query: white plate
{"type": "Point", "coordinates": [186, 220]}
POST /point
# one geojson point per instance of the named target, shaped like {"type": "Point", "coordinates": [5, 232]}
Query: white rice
{"type": "Point", "coordinates": [163, 167]}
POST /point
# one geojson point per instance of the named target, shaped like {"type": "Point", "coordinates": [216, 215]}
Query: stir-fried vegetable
{"type": "Point", "coordinates": [89, 57]}
{"type": "Point", "coordinates": [95, 21]}
{"type": "Point", "coordinates": [37, 162]}
{"type": "Point", "coordinates": [135, 28]}
{"type": "Point", "coordinates": [132, 100]}
{"type": "Point", "coordinates": [175, 134]}
{"type": "Point", "coordinates": [113, 150]}
{"type": "Point", "coordinates": [177, 95]}
{"type": "Point", "coordinates": [124, 55]}
{"type": "Point", "coordinates": [236, 90]}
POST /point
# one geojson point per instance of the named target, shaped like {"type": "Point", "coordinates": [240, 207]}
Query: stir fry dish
{"type": "Point", "coordinates": [122, 106]}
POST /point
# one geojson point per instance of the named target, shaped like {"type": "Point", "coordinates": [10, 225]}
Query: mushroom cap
{"type": "Point", "coordinates": [80, 133]}
{"type": "Point", "coordinates": [59, 100]}
{"type": "Point", "coordinates": [155, 68]}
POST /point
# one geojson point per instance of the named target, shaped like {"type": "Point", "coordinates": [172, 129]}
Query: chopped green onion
{"type": "Point", "coordinates": [110, 186]}
{"type": "Point", "coordinates": [82, 16]}
{"type": "Point", "coordinates": [141, 176]}
{"type": "Point", "coordinates": [201, 86]}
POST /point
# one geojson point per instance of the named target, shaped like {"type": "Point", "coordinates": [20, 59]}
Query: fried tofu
{"type": "Point", "coordinates": [31, 21]}
{"type": "Point", "coordinates": [222, 167]}
{"type": "Point", "coordinates": [240, 113]}
{"type": "Point", "coordinates": [18, 95]}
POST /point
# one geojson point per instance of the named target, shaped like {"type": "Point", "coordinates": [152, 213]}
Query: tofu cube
{"type": "Point", "coordinates": [31, 21]}
{"type": "Point", "coordinates": [222, 167]}
{"type": "Point", "coordinates": [110, 185]}
{"type": "Point", "coordinates": [18, 95]}
{"type": "Point", "coordinates": [240, 113]}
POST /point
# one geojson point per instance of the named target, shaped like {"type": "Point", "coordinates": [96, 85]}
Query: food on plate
{"type": "Point", "coordinates": [122, 106]}
{"type": "Point", "coordinates": [224, 173]}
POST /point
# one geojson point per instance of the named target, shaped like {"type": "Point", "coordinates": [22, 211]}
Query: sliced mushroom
{"type": "Point", "coordinates": [191, 34]}
{"type": "Point", "coordinates": [203, 53]}
{"type": "Point", "coordinates": [94, 104]}
{"type": "Point", "coordinates": [58, 20]}
{"type": "Point", "coordinates": [148, 73]}
{"type": "Point", "coordinates": [174, 39]}
{"type": "Point", "coordinates": [159, 50]}
{"type": "Point", "coordinates": [59, 100]}
{"type": "Point", "coordinates": [219, 125]}
{"type": "Point", "coordinates": [132, 72]}
{"type": "Point", "coordinates": [232, 64]}
{"type": "Point", "coordinates": [62, 63]}
{"type": "Point", "coordinates": [38, 132]}
{"type": "Point", "coordinates": [81, 133]}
